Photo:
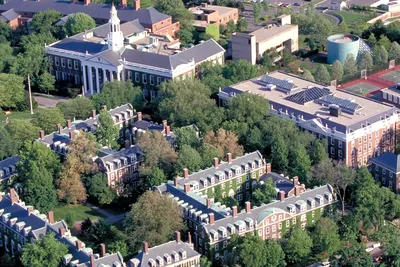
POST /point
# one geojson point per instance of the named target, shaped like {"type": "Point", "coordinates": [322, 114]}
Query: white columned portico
{"type": "Point", "coordinates": [90, 79]}
{"type": "Point", "coordinates": [111, 75]}
{"type": "Point", "coordinates": [85, 85]}
{"type": "Point", "coordinates": [97, 80]}
{"type": "Point", "coordinates": [104, 75]}
{"type": "Point", "coordinates": [118, 75]}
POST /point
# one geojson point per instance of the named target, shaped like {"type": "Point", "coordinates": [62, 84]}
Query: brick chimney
{"type": "Point", "coordinates": [13, 196]}
{"type": "Point", "coordinates": [211, 218]}
{"type": "Point", "coordinates": [215, 160]}
{"type": "Point", "coordinates": [59, 127]}
{"type": "Point", "coordinates": [50, 217]}
{"type": "Point", "coordinates": [71, 135]}
{"type": "Point", "coordinates": [145, 247]}
{"type": "Point", "coordinates": [69, 124]}
{"type": "Point", "coordinates": [123, 3]}
{"type": "Point", "coordinates": [296, 181]}
{"type": "Point", "coordinates": [61, 231]}
{"type": "Point", "coordinates": [178, 237]}
{"type": "Point", "coordinates": [281, 195]}
{"type": "Point", "coordinates": [41, 134]}
{"type": "Point", "coordinates": [176, 181]}
{"type": "Point", "coordinates": [167, 130]}
{"type": "Point", "coordinates": [189, 238]}
{"type": "Point", "coordinates": [229, 157]}
{"type": "Point", "coordinates": [268, 168]}
{"type": "Point", "coordinates": [94, 114]}
{"type": "Point", "coordinates": [78, 244]}
{"type": "Point", "coordinates": [234, 211]}
{"type": "Point", "coordinates": [102, 250]}
{"type": "Point", "coordinates": [187, 188]}
{"type": "Point", "coordinates": [185, 173]}
{"type": "Point", "coordinates": [139, 116]}
{"type": "Point", "coordinates": [297, 191]}
{"type": "Point", "coordinates": [105, 107]}
{"type": "Point", "coordinates": [92, 261]}
{"type": "Point", "coordinates": [209, 202]}
{"type": "Point", "coordinates": [248, 206]}
{"type": "Point", "coordinates": [136, 4]}
{"type": "Point", "coordinates": [86, 2]}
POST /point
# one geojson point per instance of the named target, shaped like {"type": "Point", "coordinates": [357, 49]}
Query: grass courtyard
{"type": "Point", "coordinates": [24, 115]}
{"type": "Point", "coordinates": [78, 212]}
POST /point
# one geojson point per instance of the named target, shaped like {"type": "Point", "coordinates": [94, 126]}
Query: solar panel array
{"type": "Point", "coordinates": [308, 95]}
{"type": "Point", "coordinates": [281, 85]}
{"type": "Point", "coordinates": [346, 105]}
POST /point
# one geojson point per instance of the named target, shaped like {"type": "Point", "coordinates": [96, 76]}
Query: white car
{"type": "Point", "coordinates": [376, 245]}
{"type": "Point", "coordinates": [369, 249]}
{"type": "Point", "coordinates": [324, 264]}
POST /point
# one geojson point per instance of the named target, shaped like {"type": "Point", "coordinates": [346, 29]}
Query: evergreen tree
{"type": "Point", "coordinates": [394, 51]}
{"type": "Point", "coordinates": [337, 70]}
{"type": "Point", "coordinates": [350, 65]}
{"type": "Point", "coordinates": [366, 61]}
{"type": "Point", "coordinates": [322, 74]}
{"type": "Point", "coordinates": [380, 55]}
{"type": "Point", "coordinates": [308, 76]}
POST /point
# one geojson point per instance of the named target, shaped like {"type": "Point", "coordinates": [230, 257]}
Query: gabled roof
{"type": "Point", "coordinates": [6, 163]}
{"type": "Point", "coordinates": [9, 15]}
{"type": "Point", "coordinates": [389, 161]}
{"type": "Point", "coordinates": [127, 153]}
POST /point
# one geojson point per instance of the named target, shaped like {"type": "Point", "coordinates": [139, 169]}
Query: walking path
{"type": "Point", "coordinates": [110, 218]}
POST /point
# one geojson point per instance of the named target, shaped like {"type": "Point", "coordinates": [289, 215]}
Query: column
{"type": "Point", "coordinates": [97, 80]}
{"type": "Point", "coordinates": [90, 79]}
{"type": "Point", "coordinates": [118, 75]}
{"type": "Point", "coordinates": [104, 75]}
{"type": "Point", "coordinates": [123, 75]}
{"type": "Point", "coordinates": [111, 75]}
{"type": "Point", "coordinates": [85, 87]}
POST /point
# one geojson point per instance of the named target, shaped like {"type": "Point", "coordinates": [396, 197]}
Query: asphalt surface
{"type": "Point", "coordinates": [48, 101]}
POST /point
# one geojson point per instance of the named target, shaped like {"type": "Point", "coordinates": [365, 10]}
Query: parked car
{"type": "Point", "coordinates": [296, 4]}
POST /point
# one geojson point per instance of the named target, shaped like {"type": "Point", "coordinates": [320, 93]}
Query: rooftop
{"type": "Point", "coordinates": [270, 32]}
{"type": "Point", "coordinates": [220, 9]}
{"type": "Point", "coordinates": [281, 87]}
{"type": "Point", "coordinates": [389, 161]}
{"type": "Point", "coordinates": [10, 164]}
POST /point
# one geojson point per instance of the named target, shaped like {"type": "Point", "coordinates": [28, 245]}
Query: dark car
{"type": "Point", "coordinates": [296, 4]}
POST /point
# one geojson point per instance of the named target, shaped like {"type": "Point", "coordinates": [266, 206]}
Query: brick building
{"type": "Point", "coordinates": [356, 128]}
{"type": "Point", "coordinates": [127, 51]}
{"type": "Point", "coordinates": [386, 170]}
{"type": "Point", "coordinates": [209, 14]}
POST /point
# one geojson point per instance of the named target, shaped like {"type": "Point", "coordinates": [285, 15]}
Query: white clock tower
{"type": "Point", "coordinates": [115, 37]}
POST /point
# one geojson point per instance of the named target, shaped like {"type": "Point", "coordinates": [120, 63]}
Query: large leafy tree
{"type": "Point", "coordinates": [208, 153]}
{"type": "Point", "coordinates": [45, 21]}
{"type": "Point", "coordinates": [147, 221]}
{"type": "Point", "coordinates": [337, 71]}
{"type": "Point", "coordinates": [225, 142]}
{"type": "Point", "coordinates": [317, 151]}
{"type": "Point", "coordinates": [189, 158]}
{"type": "Point", "coordinates": [5, 32]}
{"type": "Point", "coordinates": [155, 178]}
{"type": "Point", "coordinates": [275, 255]}
{"type": "Point", "coordinates": [79, 108]}
{"type": "Point", "coordinates": [326, 237]}
{"type": "Point", "coordinates": [240, 70]}
{"type": "Point", "coordinates": [11, 90]}
{"type": "Point", "coordinates": [264, 194]}
{"type": "Point", "coordinates": [352, 255]}
{"type": "Point", "coordinates": [46, 252]}
{"type": "Point", "coordinates": [8, 147]}
{"type": "Point", "coordinates": [186, 136]}
{"type": "Point", "coordinates": [21, 131]}
{"type": "Point", "coordinates": [7, 57]}
{"type": "Point", "coordinates": [248, 250]}
{"type": "Point", "coordinates": [98, 188]}
{"type": "Point", "coordinates": [279, 153]}
{"type": "Point", "coordinates": [299, 163]}
{"type": "Point", "coordinates": [48, 119]}
{"type": "Point", "coordinates": [78, 23]}
{"type": "Point", "coordinates": [298, 246]}
{"type": "Point", "coordinates": [107, 132]}
{"type": "Point", "coordinates": [308, 75]}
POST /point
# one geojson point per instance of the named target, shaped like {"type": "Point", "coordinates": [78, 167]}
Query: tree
{"type": "Point", "coordinates": [21, 131]}
{"type": "Point", "coordinates": [189, 158]}
{"type": "Point", "coordinates": [8, 147]}
{"type": "Point", "coordinates": [107, 132]}
{"type": "Point", "coordinates": [157, 153]}
{"type": "Point", "coordinates": [299, 163]}
{"type": "Point", "coordinates": [79, 108]}
{"type": "Point", "coordinates": [147, 221]}
{"type": "Point", "coordinates": [86, 227]}
{"type": "Point", "coordinates": [275, 256]}
{"type": "Point", "coordinates": [352, 255]}
{"type": "Point", "coordinates": [185, 34]}
{"type": "Point", "coordinates": [317, 151]}
{"type": "Point", "coordinates": [380, 55]}
{"type": "Point", "coordinates": [155, 178]}
{"type": "Point", "coordinates": [204, 262]}
{"type": "Point", "coordinates": [44, 21]}
{"type": "Point", "coordinates": [326, 237]}
{"type": "Point", "coordinates": [337, 71]}
{"type": "Point", "coordinates": [366, 61]}
{"type": "Point", "coordinates": [97, 187]}
{"type": "Point", "coordinates": [264, 193]}
{"type": "Point", "coordinates": [11, 90]}
{"type": "Point", "coordinates": [257, 12]}
{"type": "Point", "coordinates": [117, 93]}
{"type": "Point", "coordinates": [48, 119]}
{"type": "Point", "coordinates": [308, 76]}
{"type": "Point", "coordinates": [225, 142]}
{"type": "Point", "coordinates": [231, 26]}
{"type": "Point", "coordinates": [175, 8]}
{"type": "Point", "coordinates": [394, 51]}
{"type": "Point", "coordinates": [266, 60]}
{"type": "Point", "coordinates": [286, 57]}
{"type": "Point", "coordinates": [46, 252]}
{"type": "Point", "coordinates": [101, 232]}
{"type": "Point", "coordinates": [186, 136]}
{"type": "Point", "coordinates": [252, 251]}
{"type": "Point", "coordinates": [7, 58]}
{"type": "Point", "coordinates": [322, 74]}
{"type": "Point", "coordinates": [242, 25]}
{"type": "Point", "coordinates": [372, 40]}
{"type": "Point", "coordinates": [78, 23]}
{"type": "Point", "coordinates": [240, 70]}
{"type": "Point", "coordinates": [118, 246]}
{"type": "Point", "coordinates": [5, 32]}
{"type": "Point", "coordinates": [208, 153]}
{"type": "Point", "coordinates": [46, 82]}
{"type": "Point", "coordinates": [385, 42]}
{"type": "Point", "coordinates": [350, 65]}
{"type": "Point", "coordinates": [279, 153]}
{"type": "Point", "coordinates": [298, 246]}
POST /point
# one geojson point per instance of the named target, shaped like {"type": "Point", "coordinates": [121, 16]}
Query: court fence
{"type": "Point", "coordinates": [375, 69]}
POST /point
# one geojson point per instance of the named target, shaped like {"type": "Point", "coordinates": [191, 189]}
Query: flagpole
{"type": "Point", "coordinates": [30, 93]}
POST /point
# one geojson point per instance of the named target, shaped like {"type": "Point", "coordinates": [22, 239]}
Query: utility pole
{"type": "Point", "coordinates": [30, 93]}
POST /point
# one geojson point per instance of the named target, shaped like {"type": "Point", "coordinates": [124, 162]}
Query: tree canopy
{"type": "Point", "coordinates": [11, 90]}
{"type": "Point", "coordinates": [48, 119]}
{"type": "Point", "coordinates": [78, 23]}
{"type": "Point", "coordinates": [107, 132]}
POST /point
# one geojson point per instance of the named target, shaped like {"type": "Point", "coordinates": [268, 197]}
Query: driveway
{"type": "Point", "coordinates": [48, 101]}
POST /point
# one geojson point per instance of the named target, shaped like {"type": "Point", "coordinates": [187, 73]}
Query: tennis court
{"type": "Point", "coordinates": [361, 88]}
{"type": "Point", "coordinates": [392, 76]}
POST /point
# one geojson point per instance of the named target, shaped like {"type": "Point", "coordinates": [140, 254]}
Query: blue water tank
{"type": "Point", "coordinates": [342, 45]}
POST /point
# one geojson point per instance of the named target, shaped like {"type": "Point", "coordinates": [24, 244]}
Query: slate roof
{"type": "Point", "coordinates": [9, 15]}
{"type": "Point", "coordinates": [389, 161]}
{"type": "Point", "coordinates": [123, 153]}
{"type": "Point", "coordinates": [146, 16]}
{"type": "Point", "coordinates": [107, 260]}
{"type": "Point", "coordinates": [281, 183]}
{"type": "Point", "coordinates": [7, 163]}
{"type": "Point", "coordinates": [147, 58]}
{"type": "Point", "coordinates": [80, 46]}
{"type": "Point", "coordinates": [166, 248]}
{"type": "Point", "coordinates": [147, 125]}
{"type": "Point", "coordinates": [127, 28]}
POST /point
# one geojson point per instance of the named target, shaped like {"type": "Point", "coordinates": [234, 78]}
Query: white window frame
{"type": "Point", "coordinates": [57, 61]}
{"type": "Point", "coordinates": [63, 62]}
{"type": "Point", "coordinates": [137, 77]}
{"type": "Point", "coordinates": [69, 63]}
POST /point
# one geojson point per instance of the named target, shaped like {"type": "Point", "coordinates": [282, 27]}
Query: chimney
{"type": "Point", "coordinates": [164, 124]}
{"type": "Point", "coordinates": [50, 217]}
{"type": "Point", "coordinates": [211, 218]}
{"type": "Point", "coordinates": [145, 247]}
{"type": "Point", "coordinates": [94, 114]}
{"type": "Point", "coordinates": [268, 168]}
{"type": "Point", "coordinates": [215, 160]}
{"type": "Point", "coordinates": [86, 2]}
{"type": "Point", "coordinates": [102, 250]}
{"type": "Point", "coordinates": [59, 128]}
{"type": "Point", "coordinates": [61, 231]}
{"type": "Point", "coordinates": [105, 107]}
{"type": "Point", "coordinates": [92, 261]}
{"type": "Point", "coordinates": [176, 179]}
{"type": "Point", "coordinates": [178, 237]}
{"type": "Point", "coordinates": [69, 124]}
{"type": "Point", "coordinates": [297, 191]}
{"type": "Point", "coordinates": [123, 3]}
{"type": "Point", "coordinates": [209, 202]}
{"type": "Point", "coordinates": [187, 188]}
{"type": "Point", "coordinates": [71, 135]}
{"type": "Point", "coordinates": [296, 181]}
{"type": "Point", "coordinates": [234, 211]}
{"type": "Point", "coordinates": [248, 206]}
{"type": "Point", "coordinates": [189, 238]}
{"type": "Point", "coordinates": [41, 134]}
{"type": "Point", "coordinates": [281, 195]}
{"type": "Point", "coordinates": [167, 130]}
{"type": "Point", "coordinates": [136, 4]}
{"type": "Point", "coordinates": [185, 173]}
{"type": "Point", "coordinates": [13, 196]}
{"type": "Point", "coordinates": [229, 157]}
{"type": "Point", "coordinates": [139, 116]}
{"type": "Point", "coordinates": [78, 244]}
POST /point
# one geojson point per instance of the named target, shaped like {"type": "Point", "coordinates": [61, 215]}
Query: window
{"type": "Point", "coordinates": [360, 140]}
{"type": "Point", "coordinates": [391, 174]}
{"type": "Point", "coordinates": [216, 247]}
{"type": "Point", "coordinates": [376, 133]}
{"type": "Point", "coordinates": [253, 175]}
{"type": "Point", "coordinates": [69, 64]}
{"type": "Point", "coordinates": [151, 79]}
{"type": "Point", "coordinates": [383, 180]}
{"type": "Point", "coordinates": [247, 186]}
{"type": "Point", "coordinates": [340, 153]}
{"type": "Point", "coordinates": [63, 62]}
{"type": "Point", "coordinates": [280, 226]}
{"type": "Point", "coordinates": [136, 77]}
{"type": "Point", "coordinates": [76, 64]}
{"type": "Point", "coordinates": [332, 141]}
{"type": "Point", "coordinates": [383, 171]}
{"type": "Point", "coordinates": [340, 144]}
{"type": "Point", "coordinates": [376, 167]}
{"type": "Point", "coordinates": [267, 230]}
{"type": "Point", "coordinates": [332, 150]}
{"type": "Point", "coordinates": [51, 60]}
{"type": "Point", "coordinates": [390, 184]}
{"type": "Point", "coordinates": [239, 197]}
{"type": "Point", "coordinates": [274, 228]}
{"type": "Point", "coordinates": [239, 180]}
{"type": "Point", "coordinates": [158, 80]}
{"type": "Point", "coordinates": [287, 223]}
{"type": "Point", "coordinates": [144, 78]}
{"type": "Point", "coordinates": [369, 136]}
{"type": "Point", "coordinates": [56, 60]}
{"type": "Point", "coordinates": [294, 220]}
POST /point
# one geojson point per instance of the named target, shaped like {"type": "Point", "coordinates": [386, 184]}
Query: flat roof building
{"type": "Point", "coordinates": [355, 127]}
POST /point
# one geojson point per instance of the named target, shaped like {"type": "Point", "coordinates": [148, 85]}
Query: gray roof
{"type": "Point", "coordinates": [9, 15]}
{"type": "Point", "coordinates": [389, 161]}
{"type": "Point", "coordinates": [111, 56]}
{"type": "Point", "coordinates": [257, 214]}
{"type": "Point", "coordinates": [281, 183]}
{"type": "Point", "coordinates": [166, 248]}
{"type": "Point", "coordinates": [123, 153]}
{"type": "Point", "coordinates": [80, 46]}
{"type": "Point", "coordinates": [146, 16]}
{"type": "Point", "coordinates": [147, 125]}
{"type": "Point", "coordinates": [147, 58]}
{"type": "Point", "coordinates": [127, 28]}
{"type": "Point", "coordinates": [7, 163]}
{"type": "Point", "coordinates": [222, 167]}
{"type": "Point", "coordinates": [107, 260]}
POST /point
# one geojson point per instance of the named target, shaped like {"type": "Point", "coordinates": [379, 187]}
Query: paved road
{"type": "Point", "coordinates": [48, 101]}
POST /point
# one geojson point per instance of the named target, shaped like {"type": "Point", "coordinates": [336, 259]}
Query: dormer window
{"type": "Point", "coordinates": [214, 235]}
{"type": "Point", "coordinates": [319, 199]}
{"type": "Point", "coordinates": [249, 223]}
{"type": "Point", "coordinates": [211, 179]}
{"type": "Point", "coordinates": [204, 182]}
{"type": "Point", "coordinates": [311, 202]}
{"type": "Point", "coordinates": [291, 208]}
{"type": "Point", "coordinates": [220, 175]}
{"type": "Point", "coordinates": [246, 167]}
{"type": "Point", "coordinates": [231, 228]}
{"type": "Point", "coordinates": [125, 161]}
{"type": "Point", "coordinates": [167, 258]}
{"type": "Point", "coordinates": [328, 196]}
{"type": "Point", "coordinates": [241, 226]}
{"type": "Point", "coordinates": [133, 158]}
{"type": "Point", "coordinates": [222, 231]}
{"type": "Point", "coordinates": [195, 186]}
{"type": "Point", "coordinates": [175, 256]}
{"type": "Point", "coordinates": [182, 253]}
{"type": "Point", "coordinates": [152, 263]}
{"type": "Point", "coordinates": [301, 205]}
{"type": "Point", "coordinates": [160, 261]}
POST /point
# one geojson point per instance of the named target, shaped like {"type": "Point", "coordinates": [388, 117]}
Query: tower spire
{"type": "Point", "coordinates": [115, 37]}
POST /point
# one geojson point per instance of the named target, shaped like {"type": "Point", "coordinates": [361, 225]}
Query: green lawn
{"type": "Point", "coordinates": [78, 212]}
{"type": "Point", "coordinates": [24, 115]}
{"type": "Point", "coordinates": [351, 17]}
